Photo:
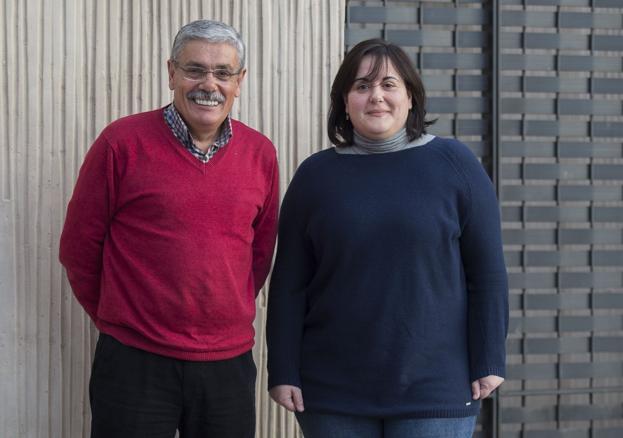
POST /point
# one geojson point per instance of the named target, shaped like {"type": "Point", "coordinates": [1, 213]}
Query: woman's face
{"type": "Point", "coordinates": [378, 107]}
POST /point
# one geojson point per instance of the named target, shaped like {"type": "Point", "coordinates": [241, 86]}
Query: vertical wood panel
{"type": "Point", "coordinates": [70, 67]}
{"type": "Point", "coordinates": [8, 303]}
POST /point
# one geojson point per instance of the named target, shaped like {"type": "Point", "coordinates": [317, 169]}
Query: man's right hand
{"type": "Point", "coordinates": [288, 396]}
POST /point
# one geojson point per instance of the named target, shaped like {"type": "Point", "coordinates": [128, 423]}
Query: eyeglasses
{"type": "Point", "coordinates": [197, 74]}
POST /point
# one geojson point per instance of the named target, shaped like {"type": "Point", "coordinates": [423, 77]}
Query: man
{"type": "Point", "coordinates": [168, 238]}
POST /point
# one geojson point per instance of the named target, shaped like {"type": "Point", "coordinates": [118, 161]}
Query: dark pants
{"type": "Point", "coordinates": [136, 394]}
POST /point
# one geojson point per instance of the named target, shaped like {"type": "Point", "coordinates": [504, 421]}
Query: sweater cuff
{"type": "Point", "coordinates": [283, 379]}
{"type": "Point", "coordinates": [485, 371]}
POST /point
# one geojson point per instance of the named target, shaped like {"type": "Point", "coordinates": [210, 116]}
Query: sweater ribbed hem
{"type": "Point", "coordinates": [133, 339]}
{"type": "Point", "coordinates": [397, 412]}
{"type": "Point", "coordinates": [380, 402]}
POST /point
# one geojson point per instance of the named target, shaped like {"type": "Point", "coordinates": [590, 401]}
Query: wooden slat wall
{"type": "Point", "coordinates": [69, 67]}
{"type": "Point", "coordinates": [561, 170]}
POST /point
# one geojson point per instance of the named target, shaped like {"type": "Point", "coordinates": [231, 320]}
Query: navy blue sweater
{"type": "Point", "coordinates": [389, 293]}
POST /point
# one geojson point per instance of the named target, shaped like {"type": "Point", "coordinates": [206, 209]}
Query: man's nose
{"type": "Point", "coordinates": [209, 81]}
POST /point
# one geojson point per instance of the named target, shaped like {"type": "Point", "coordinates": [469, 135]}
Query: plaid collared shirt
{"type": "Point", "coordinates": [181, 132]}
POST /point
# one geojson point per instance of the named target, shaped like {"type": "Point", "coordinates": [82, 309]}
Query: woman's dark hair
{"type": "Point", "coordinates": [340, 130]}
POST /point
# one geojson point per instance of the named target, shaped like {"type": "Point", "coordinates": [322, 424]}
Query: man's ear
{"type": "Point", "coordinates": [171, 70]}
{"type": "Point", "coordinates": [239, 79]}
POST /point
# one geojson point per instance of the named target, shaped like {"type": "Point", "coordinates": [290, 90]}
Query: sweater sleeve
{"type": "Point", "coordinates": [485, 272]}
{"type": "Point", "coordinates": [294, 267]}
{"type": "Point", "coordinates": [86, 225]}
{"type": "Point", "coordinates": [265, 229]}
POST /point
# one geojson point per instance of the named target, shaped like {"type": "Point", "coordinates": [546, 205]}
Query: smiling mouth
{"type": "Point", "coordinates": [205, 102]}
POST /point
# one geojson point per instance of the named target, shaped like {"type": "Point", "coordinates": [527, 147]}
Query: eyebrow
{"type": "Point", "coordinates": [365, 79]}
{"type": "Point", "coordinates": [198, 64]}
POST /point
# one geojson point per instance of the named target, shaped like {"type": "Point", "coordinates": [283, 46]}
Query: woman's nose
{"type": "Point", "coordinates": [376, 93]}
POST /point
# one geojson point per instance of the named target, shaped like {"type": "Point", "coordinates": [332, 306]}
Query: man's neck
{"type": "Point", "coordinates": [204, 140]}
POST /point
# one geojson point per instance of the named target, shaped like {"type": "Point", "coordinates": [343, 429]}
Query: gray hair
{"type": "Point", "coordinates": [210, 31]}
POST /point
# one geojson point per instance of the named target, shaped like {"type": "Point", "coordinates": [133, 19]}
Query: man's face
{"type": "Point", "coordinates": [205, 103]}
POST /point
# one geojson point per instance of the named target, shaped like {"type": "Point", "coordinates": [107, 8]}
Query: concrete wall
{"type": "Point", "coordinates": [69, 67]}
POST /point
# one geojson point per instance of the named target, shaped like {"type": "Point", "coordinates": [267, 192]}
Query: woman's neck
{"type": "Point", "coordinates": [396, 142]}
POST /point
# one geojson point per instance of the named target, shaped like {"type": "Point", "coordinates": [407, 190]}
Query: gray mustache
{"type": "Point", "coordinates": [206, 95]}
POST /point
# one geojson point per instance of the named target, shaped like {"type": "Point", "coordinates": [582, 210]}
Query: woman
{"type": "Point", "coordinates": [388, 305]}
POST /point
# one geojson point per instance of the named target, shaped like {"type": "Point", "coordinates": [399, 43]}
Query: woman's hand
{"type": "Point", "coordinates": [483, 387]}
{"type": "Point", "coordinates": [288, 396]}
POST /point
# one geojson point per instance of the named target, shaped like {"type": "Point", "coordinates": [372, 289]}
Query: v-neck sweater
{"type": "Point", "coordinates": [389, 292]}
{"type": "Point", "coordinates": [167, 253]}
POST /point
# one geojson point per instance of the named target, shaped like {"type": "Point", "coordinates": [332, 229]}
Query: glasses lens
{"type": "Point", "coordinates": [222, 74]}
{"type": "Point", "coordinates": [194, 74]}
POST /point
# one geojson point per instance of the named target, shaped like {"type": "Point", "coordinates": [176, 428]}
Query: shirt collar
{"type": "Point", "coordinates": [180, 130]}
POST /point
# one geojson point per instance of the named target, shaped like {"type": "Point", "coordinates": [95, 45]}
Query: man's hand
{"type": "Point", "coordinates": [288, 396]}
{"type": "Point", "coordinates": [482, 388]}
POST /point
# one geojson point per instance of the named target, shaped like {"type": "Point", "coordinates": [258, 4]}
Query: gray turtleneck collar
{"type": "Point", "coordinates": [397, 142]}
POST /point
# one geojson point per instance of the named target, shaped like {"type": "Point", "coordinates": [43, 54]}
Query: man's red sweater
{"type": "Point", "coordinates": [164, 252]}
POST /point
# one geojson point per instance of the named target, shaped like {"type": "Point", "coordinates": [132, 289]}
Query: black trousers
{"type": "Point", "coordinates": [136, 394]}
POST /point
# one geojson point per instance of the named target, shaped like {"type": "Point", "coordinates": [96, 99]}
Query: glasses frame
{"type": "Point", "coordinates": [227, 79]}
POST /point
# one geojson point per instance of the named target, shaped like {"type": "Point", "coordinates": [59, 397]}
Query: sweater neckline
{"type": "Point", "coordinates": [422, 143]}
{"type": "Point", "coordinates": [179, 149]}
